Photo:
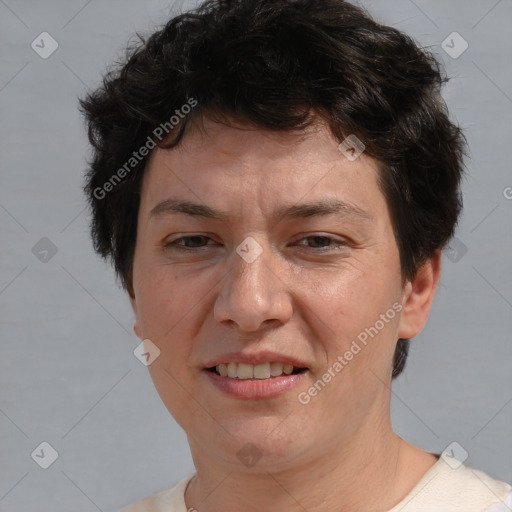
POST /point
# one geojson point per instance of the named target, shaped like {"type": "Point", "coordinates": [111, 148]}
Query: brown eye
{"type": "Point", "coordinates": [323, 243]}
{"type": "Point", "coordinates": [188, 242]}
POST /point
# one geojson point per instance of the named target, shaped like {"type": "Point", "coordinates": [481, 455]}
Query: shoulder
{"type": "Point", "coordinates": [450, 486]}
{"type": "Point", "coordinates": [502, 506]}
{"type": "Point", "coordinates": [168, 500]}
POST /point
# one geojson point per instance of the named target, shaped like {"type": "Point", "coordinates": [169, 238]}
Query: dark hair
{"type": "Point", "coordinates": [280, 64]}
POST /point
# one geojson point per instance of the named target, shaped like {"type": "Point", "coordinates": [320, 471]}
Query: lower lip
{"type": "Point", "coordinates": [254, 389]}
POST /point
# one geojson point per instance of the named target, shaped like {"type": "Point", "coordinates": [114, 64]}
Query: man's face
{"type": "Point", "coordinates": [299, 291]}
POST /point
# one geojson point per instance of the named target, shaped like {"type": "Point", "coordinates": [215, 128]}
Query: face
{"type": "Point", "coordinates": [275, 251]}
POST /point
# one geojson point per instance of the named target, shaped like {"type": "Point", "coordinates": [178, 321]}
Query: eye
{"type": "Point", "coordinates": [316, 243]}
{"type": "Point", "coordinates": [321, 243]}
{"type": "Point", "coordinates": [188, 242]}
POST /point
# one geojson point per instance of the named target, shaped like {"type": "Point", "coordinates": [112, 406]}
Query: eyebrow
{"type": "Point", "coordinates": [310, 209]}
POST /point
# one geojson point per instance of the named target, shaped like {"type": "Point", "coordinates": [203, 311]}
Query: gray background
{"type": "Point", "coordinates": [68, 373]}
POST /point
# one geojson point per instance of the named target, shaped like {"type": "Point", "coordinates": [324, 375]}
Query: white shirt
{"type": "Point", "coordinates": [448, 486]}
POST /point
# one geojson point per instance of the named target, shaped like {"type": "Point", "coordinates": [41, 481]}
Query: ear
{"type": "Point", "coordinates": [418, 296]}
{"type": "Point", "coordinates": [136, 325]}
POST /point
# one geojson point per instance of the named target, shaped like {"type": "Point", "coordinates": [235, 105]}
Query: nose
{"type": "Point", "coordinates": [254, 293]}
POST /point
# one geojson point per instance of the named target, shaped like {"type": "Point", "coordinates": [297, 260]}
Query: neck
{"type": "Point", "coordinates": [350, 477]}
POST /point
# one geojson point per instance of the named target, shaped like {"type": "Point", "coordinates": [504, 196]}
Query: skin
{"type": "Point", "coordinates": [303, 296]}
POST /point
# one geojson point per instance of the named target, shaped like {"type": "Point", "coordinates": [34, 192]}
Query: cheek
{"type": "Point", "coordinates": [346, 305]}
{"type": "Point", "coordinates": [164, 298]}
{"type": "Point", "coordinates": [346, 311]}
{"type": "Point", "coordinates": [166, 308]}
{"type": "Point", "coordinates": [162, 308]}
{"type": "Point", "coordinates": [346, 300]}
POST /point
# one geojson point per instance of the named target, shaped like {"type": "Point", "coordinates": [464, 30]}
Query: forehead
{"type": "Point", "coordinates": [244, 164]}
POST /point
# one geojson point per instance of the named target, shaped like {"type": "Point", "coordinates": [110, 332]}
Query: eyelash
{"type": "Point", "coordinates": [175, 246]}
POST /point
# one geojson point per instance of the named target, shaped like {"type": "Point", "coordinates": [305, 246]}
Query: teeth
{"type": "Point", "coordinates": [232, 370]}
{"type": "Point", "coordinates": [288, 369]}
{"type": "Point", "coordinates": [262, 371]}
{"type": "Point", "coordinates": [245, 371]}
{"type": "Point", "coordinates": [276, 369]}
{"type": "Point", "coordinates": [256, 371]}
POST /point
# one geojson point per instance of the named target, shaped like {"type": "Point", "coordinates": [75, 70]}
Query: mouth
{"type": "Point", "coordinates": [262, 371]}
{"type": "Point", "coordinates": [255, 381]}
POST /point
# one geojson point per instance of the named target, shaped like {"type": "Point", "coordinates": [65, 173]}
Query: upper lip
{"type": "Point", "coordinates": [255, 358]}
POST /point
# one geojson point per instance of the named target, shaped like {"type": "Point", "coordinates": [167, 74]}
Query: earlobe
{"type": "Point", "coordinates": [418, 297]}
{"type": "Point", "coordinates": [136, 325]}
